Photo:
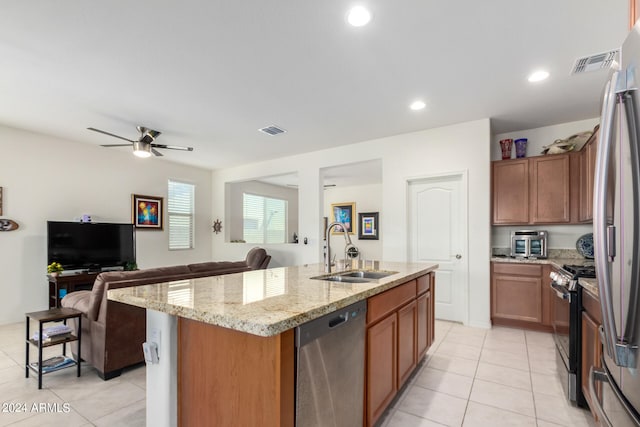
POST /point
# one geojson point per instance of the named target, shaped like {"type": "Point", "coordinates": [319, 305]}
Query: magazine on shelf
{"type": "Point", "coordinates": [54, 363]}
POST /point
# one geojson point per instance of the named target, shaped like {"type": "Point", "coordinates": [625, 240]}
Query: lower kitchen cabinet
{"type": "Point", "coordinates": [591, 345]}
{"type": "Point", "coordinates": [400, 327]}
{"type": "Point", "coordinates": [521, 295]}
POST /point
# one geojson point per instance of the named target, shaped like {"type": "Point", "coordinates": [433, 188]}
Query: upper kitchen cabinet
{"type": "Point", "coordinates": [510, 188]}
{"type": "Point", "coordinates": [634, 12]}
{"type": "Point", "coordinates": [549, 186]}
{"type": "Point", "coordinates": [587, 174]}
{"type": "Point", "coordinates": [534, 190]}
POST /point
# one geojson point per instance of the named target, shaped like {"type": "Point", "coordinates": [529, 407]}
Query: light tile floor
{"type": "Point", "coordinates": [472, 377]}
{"type": "Point", "coordinates": [478, 377]}
{"type": "Point", "coordinates": [73, 401]}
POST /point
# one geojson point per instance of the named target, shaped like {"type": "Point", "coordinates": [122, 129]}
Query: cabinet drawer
{"type": "Point", "coordinates": [389, 301]}
{"type": "Point", "coordinates": [423, 283]}
{"type": "Point", "coordinates": [518, 269]}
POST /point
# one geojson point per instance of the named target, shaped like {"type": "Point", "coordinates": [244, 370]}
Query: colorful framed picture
{"type": "Point", "coordinates": [369, 226]}
{"type": "Point", "coordinates": [343, 212]}
{"type": "Point", "coordinates": [147, 212]}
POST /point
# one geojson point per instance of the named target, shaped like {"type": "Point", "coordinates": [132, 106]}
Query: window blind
{"type": "Point", "coordinates": [265, 219]}
{"type": "Point", "coordinates": [180, 210]}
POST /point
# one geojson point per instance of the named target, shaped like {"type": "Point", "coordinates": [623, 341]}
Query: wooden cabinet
{"type": "Point", "coordinates": [521, 295]}
{"type": "Point", "coordinates": [534, 190]}
{"type": "Point", "coordinates": [510, 190]}
{"type": "Point", "coordinates": [634, 12]}
{"type": "Point", "coordinates": [549, 186]}
{"type": "Point", "coordinates": [591, 345]}
{"type": "Point", "coordinates": [62, 285]}
{"type": "Point", "coordinates": [587, 176]}
{"type": "Point", "coordinates": [382, 356]}
{"type": "Point", "coordinates": [400, 328]}
{"type": "Point", "coordinates": [407, 337]}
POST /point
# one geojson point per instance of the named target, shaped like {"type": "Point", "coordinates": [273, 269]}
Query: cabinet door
{"type": "Point", "coordinates": [591, 353]}
{"type": "Point", "coordinates": [510, 191]}
{"type": "Point", "coordinates": [381, 366]}
{"type": "Point", "coordinates": [407, 355]}
{"type": "Point", "coordinates": [516, 298]}
{"type": "Point", "coordinates": [587, 175]}
{"type": "Point", "coordinates": [549, 184]}
{"type": "Point", "coordinates": [423, 339]}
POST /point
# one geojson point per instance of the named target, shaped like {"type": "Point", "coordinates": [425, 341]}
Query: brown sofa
{"type": "Point", "coordinates": [112, 332]}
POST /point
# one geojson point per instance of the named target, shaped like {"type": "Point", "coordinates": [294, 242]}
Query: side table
{"type": "Point", "coordinates": [52, 315]}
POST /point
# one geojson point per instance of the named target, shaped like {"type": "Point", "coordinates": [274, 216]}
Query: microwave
{"type": "Point", "coordinates": [529, 244]}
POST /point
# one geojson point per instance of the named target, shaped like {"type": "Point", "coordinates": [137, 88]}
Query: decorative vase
{"type": "Point", "coordinates": [521, 147]}
{"type": "Point", "coordinates": [54, 274]}
{"type": "Point", "coordinates": [505, 146]}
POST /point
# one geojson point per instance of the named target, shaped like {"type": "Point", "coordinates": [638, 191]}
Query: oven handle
{"type": "Point", "coordinates": [560, 291]}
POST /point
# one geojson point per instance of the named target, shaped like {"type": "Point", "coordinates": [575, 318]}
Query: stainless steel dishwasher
{"type": "Point", "coordinates": [330, 356]}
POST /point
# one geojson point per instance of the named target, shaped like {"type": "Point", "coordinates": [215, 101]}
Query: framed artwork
{"type": "Point", "coordinates": [147, 212]}
{"type": "Point", "coordinates": [369, 227]}
{"type": "Point", "coordinates": [343, 212]}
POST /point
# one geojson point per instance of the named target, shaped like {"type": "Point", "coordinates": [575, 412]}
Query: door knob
{"type": "Point", "coordinates": [458, 256]}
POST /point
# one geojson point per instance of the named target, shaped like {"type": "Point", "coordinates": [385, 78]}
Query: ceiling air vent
{"type": "Point", "coordinates": [595, 62]}
{"type": "Point", "coordinates": [272, 130]}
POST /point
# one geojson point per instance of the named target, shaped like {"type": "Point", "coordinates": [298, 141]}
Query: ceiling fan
{"type": "Point", "coordinates": [145, 145]}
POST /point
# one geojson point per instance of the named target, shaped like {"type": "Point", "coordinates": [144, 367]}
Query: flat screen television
{"type": "Point", "coordinates": [90, 246]}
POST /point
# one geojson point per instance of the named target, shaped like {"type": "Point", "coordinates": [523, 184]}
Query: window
{"type": "Point", "coordinates": [265, 219]}
{"type": "Point", "coordinates": [180, 212]}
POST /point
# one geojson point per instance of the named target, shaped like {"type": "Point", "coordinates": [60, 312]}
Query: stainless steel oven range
{"type": "Point", "coordinates": [567, 327]}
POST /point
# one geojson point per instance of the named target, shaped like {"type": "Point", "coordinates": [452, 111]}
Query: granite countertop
{"type": "Point", "coordinates": [263, 302]}
{"type": "Point", "coordinates": [590, 285]}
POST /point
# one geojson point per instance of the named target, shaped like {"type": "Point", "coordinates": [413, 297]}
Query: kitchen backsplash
{"type": "Point", "coordinates": [560, 236]}
{"type": "Point", "coordinates": [552, 253]}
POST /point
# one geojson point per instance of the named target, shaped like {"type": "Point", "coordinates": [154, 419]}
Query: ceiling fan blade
{"type": "Point", "coordinates": [110, 134]}
{"type": "Point", "coordinates": [156, 152]}
{"type": "Point", "coordinates": [172, 147]}
{"type": "Point", "coordinates": [115, 145]}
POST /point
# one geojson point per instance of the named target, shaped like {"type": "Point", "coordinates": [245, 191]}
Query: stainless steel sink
{"type": "Point", "coordinates": [355, 276]}
{"type": "Point", "coordinates": [344, 279]}
{"type": "Point", "coordinates": [368, 274]}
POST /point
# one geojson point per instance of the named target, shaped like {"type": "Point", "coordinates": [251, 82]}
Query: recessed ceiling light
{"type": "Point", "coordinates": [538, 76]}
{"type": "Point", "coordinates": [358, 16]}
{"type": "Point", "coordinates": [417, 105]}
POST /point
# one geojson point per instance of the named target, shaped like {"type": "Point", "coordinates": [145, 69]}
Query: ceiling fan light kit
{"type": "Point", "coordinates": [144, 147]}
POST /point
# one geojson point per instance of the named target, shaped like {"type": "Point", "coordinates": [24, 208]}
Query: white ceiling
{"type": "Point", "coordinates": [209, 73]}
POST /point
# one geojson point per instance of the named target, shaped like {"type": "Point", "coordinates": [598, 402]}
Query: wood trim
{"type": "Point", "coordinates": [242, 379]}
{"type": "Point", "coordinates": [518, 269]}
{"type": "Point", "coordinates": [424, 283]}
{"type": "Point", "coordinates": [387, 302]}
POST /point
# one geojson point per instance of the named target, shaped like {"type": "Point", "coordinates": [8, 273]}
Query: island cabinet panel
{"type": "Point", "coordinates": [521, 295]}
{"type": "Point", "coordinates": [407, 337]}
{"type": "Point", "coordinates": [382, 382]}
{"type": "Point", "coordinates": [399, 332]}
{"type": "Point", "coordinates": [510, 190]}
{"type": "Point", "coordinates": [221, 396]}
{"type": "Point", "coordinates": [591, 345]}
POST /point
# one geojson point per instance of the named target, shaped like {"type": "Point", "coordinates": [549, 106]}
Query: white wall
{"type": "Point", "coordinates": [462, 147]}
{"type": "Point", "coordinates": [45, 178]}
{"type": "Point", "coordinates": [368, 198]}
{"type": "Point", "coordinates": [560, 236]}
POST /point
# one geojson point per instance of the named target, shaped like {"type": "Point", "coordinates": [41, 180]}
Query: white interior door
{"type": "Point", "coordinates": [438, 234]}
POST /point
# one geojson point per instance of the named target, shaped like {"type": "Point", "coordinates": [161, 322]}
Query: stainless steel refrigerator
{"type": "Point", "coordinates": [615, 388]}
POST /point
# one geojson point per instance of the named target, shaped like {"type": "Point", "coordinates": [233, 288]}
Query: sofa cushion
{"type": "Point", "coordinates": [78, 300]}
{"type": "Point", "coordinates": [215, 267]}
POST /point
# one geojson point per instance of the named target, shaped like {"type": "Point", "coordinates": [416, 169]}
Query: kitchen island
{"type": "Point", "coordinates": [226, 343]}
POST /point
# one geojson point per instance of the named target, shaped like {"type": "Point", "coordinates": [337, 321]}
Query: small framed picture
{"type": "Point", "coordinates": [369, 227]}
{"type": "Point", "coordinates": [343, 212]}
{"type": "Point", "coordinates": [147, 212]}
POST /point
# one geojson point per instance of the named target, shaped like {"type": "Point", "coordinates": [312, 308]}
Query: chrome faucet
{"type": "Point", "coordinates": [327, 253]}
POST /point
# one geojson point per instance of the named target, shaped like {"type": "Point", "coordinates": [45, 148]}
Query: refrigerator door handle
{"type": "Point", "coordinates": [611, 242]}
{"type": "Point", "coordinates": [600, 195]}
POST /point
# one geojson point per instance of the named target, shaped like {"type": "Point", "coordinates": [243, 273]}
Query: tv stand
{"type": "Point", "coordinates": [68, 283]}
